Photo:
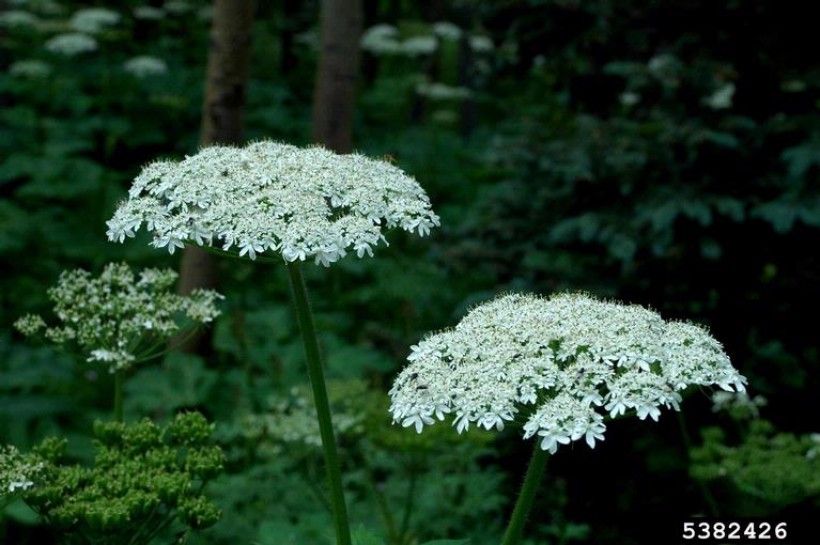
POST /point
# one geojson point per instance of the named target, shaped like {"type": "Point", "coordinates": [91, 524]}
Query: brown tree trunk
{"type": "Point", "coordinates": [225, 84]}
{"type": "Point", "coordinates": [335, 94]}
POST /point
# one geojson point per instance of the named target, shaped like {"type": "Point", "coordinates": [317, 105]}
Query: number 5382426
{"type": "Point", "coordinates": [714, 531]}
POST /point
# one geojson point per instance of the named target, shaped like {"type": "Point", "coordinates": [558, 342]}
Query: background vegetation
{"type": "Point", "coordinates": [665, 153]}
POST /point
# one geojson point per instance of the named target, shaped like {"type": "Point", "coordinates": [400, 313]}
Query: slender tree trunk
{"type": "Point", "coordinates": [334, 97]}
{"type": "Point", "coordinates": [225, 84]}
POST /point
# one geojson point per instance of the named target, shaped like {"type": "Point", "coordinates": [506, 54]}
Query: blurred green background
{"type": "Point", "coordinates": [662, 152]}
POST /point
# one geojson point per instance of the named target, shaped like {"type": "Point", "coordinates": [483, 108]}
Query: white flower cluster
{"type": "Point", "coordinates": [18, 18]}
{"type": "Point", "coordinates": [273, 197]}
{"type": "Point", "coordinates": [30, 68]}
{"type": "Point", "coordinates": [292, 418]}
{"type": "Point", "coordinates": [447, 31]}
{"type": "Point", "coordinates": [441, 91]}
{"type": "Point", "coordinates": [71, 44]}
{"type": "Point", "coordinates": [120, 318]}
{"type": "Point", "coordinates": [381, 39]}
{"type": "Point", "coordinates": [481, 44]}
{"type": "Point", "coordinates": [145, 66]}
{"type": "Point", "coordinates": [148, 13]}
{"type": "Point", "coordinates": [558, 362]}
{"type": "Point", "coordinates": [739, 404]}
{"type": "Point", "coordinates": [93, 20]}
{"type": "Point", "coordinates": [17, 473]}
{"type": "Point", "coordinates": [384, 39]}
{"type": "Point", "coordinates": [177, 7]}
{"type": "Point", "coordinates": [417, 46]}
{"type": "Point", "coordinates": [721, 98]}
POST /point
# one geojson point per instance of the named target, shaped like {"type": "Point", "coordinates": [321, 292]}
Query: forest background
{"type": "Point", "coordinates": [665, 153]}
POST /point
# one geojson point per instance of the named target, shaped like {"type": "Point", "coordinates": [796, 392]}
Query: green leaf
{"type": "Point", "coordinates": [447, 542]}
{"type": "Point", "coordinates": [363, 536]}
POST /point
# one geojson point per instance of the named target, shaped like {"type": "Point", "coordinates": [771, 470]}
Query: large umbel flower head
{"type": "Point", "coordinates": [120, 318]}
{"type": "Point", "coordinates": [562, 363]}
{"type": "Point", "coordinates": [272, 197]}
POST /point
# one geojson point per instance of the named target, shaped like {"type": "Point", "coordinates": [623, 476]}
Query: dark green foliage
{"type": "Point", "coordinates": [608, 153]}
{"type": "Point", "coordinates": [765, 472]}
{"type": "Point", "coordinates": [145, 480]}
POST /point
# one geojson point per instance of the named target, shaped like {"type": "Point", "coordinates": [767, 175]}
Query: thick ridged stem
{"type": "Point", "coordinates": [317, 382]}
{"type": "Point", "coordinates": [523, 505]}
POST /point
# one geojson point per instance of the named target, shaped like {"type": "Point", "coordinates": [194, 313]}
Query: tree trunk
{"type": "Point", "coordinates": [334, 97]}
{"type": "Point", "coordinates": [227, 75]}
{"type": "Point", "coordinates": [225, 85]}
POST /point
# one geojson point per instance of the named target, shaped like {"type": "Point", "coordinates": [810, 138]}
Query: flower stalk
{"type": "Point", "coordinates": [304, 318]}
{"type": "Point", "coordinates": [523, 505]}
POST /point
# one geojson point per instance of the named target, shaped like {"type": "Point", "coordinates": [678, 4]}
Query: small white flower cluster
{"type": "Point", "coordinates": [93, 20]}
{"type": "Point", "coordinates": [417, 46]}
{"type": "Point", "coordinates": [30, 68]}
{"type": "Point", "coordinates": [17, 473]}
{"type": "Point", "coordinates": [273, 197]}
{"type": "Point", "coordinates": [292, 419]}
{"type": "Point", "coordinates": [447, 31]}
{"type": "Point", "coordinates": [740, 404]}
{"type": "Point", "coordinates": [145, 66]}
{"type": "Point", "coordinates": [721, 98]}
{"type": "Point", "coordinates": [71, 44]}
{"type": "Point", "coordinates": [120, 318]}
{"type": "Point", "coordinates": [18, 18]}
{"type": "Point", "coordinates": [381, 39]}
{"type": "Point", "coordinates": [558, 362]}
{"type": "Point", "coordinates": [148, 13]}
{"type": "Point", "coordinates": [385, 40]}
{"type": "Point", "coordinates": [177, 7]}
{"type": "Point", "coordinates": [481, 44]}
{"type": "Point", "coordinates": [441, 91]}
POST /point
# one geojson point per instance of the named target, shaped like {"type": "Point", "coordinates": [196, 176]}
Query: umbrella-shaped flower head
{"type": "Point", "coordinates": [120, 318]}
{"type": "Point", "coordinates": [558, 365]}
{"type": "Point", "coordinates": [271, 197]}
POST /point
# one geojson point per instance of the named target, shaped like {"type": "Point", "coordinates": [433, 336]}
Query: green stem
{"type": "Point", "coordinates": [118, 379]}
{"type": "Point", "coordinates": [317, 382]}
{"type": "Point", "coordinates": [532, 479]}
{"type": "Point", "coordinates": [409, 499]}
